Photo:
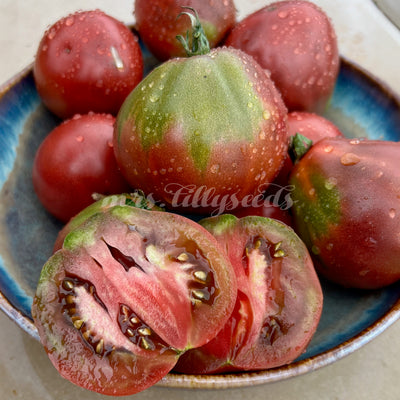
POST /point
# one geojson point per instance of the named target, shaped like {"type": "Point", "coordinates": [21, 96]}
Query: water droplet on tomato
{"type": "Point", "coordinates": [392, 213]}
{"type": "Point", "coordinates": [266, 115]}
{"type": "Point", "coordinates": [282, 14]}
{"type": "Point", "coordinates": [154, 98]}
{"type": "Point", "coordinates": [69, 21]}
{"type": "Point", "coordinates": [330, 183]}
{"type": "Point", "coordinates": [328, 149]}
{"type": "Point", "coordinates": [80, 138]}
{"type": "Point", "coordinates": [316, 250]}
{"type": "Point", "coordinates": [215, 168]}
{"type": "Point", "coordinates": [348, 159]}
{"type": "Point", "coordinates": [51, 35]}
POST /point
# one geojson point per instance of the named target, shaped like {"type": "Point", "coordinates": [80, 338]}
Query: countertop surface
{"type": "Point", "coordinates": [365, 36]}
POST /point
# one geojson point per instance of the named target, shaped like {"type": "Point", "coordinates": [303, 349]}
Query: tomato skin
{"type": "Point", "coordinates": [75, 161]}
{"type": "Point", "coordinates": [130, 290]}
{"type": "Point", "coordinates": [313, 126]}
{"type": "Point", "coordinates": [87, 61]}
{"type": "Point", "coordinates": [266, 209]}
{"type": "Point", "coordinates": [134, 199]}
{"type": "Point", "coordinates": [158, 26]}
{"type": "Point", "coordinates": [279, 301]}
{"type": "Point", "coordinates": [346, 209]}
{"type": "Point", "coordinates": [296, 42]}
{"type": "Point", "coordinates": [193, 151]}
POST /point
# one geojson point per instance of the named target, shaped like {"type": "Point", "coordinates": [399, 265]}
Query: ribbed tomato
{"type": "Point", "coordinates": [202, 133]}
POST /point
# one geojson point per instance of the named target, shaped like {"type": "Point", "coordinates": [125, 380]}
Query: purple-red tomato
{"type": "Point", "coordinates": [314, 127]}
{"type": "Point", "coordinates": [158, 25]}
{"type": "Point", "coordinates": [87, 61]}
{"type": "Point", "coordinates": [75, 161]}
{"type": "Point", "coordinates": [131, 290]}
{"type": "Point", "coordinates": [296, 42]}
{"type": "Point", "coordinates": [347, 210]}
{"type": "Point", "coordinates": [279, 301]}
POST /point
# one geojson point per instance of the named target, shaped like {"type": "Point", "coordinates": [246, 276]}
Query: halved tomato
{"type": "Point", "coordinates": [129, 292]}
{"type": "Point", "coordinates": [279, 300]}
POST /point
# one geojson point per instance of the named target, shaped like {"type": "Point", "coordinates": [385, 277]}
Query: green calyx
{"type": "Point", "coordinates": [199, 41]}
{"type": "Point", "coordinates": [298, 147]}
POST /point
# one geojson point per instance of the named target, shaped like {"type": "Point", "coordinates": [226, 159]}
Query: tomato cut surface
{"type": "Point", "coordinates": [130, 291]}
{"type": "Point", "coordinates": [279, 300]}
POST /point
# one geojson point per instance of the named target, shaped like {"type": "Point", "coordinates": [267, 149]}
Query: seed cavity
{"type": "Point", "coordinates": [70, 307]}
{"type": "Point", "coordinates": [274, 328]}
{"type": "Point", "coordinates": [138, 332]}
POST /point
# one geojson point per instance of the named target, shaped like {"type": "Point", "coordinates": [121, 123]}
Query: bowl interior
{"type": "Point", "coordinates": [361, 107]}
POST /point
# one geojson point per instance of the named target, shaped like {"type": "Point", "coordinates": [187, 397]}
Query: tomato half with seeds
{"type": "Point", "coordinates": [87, 61]}
{"type": "Point", "coordinates": [129, 292]}
{"type": "Point", "coordinates": [279, 300]}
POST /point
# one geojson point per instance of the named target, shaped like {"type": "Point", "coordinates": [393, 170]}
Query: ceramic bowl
{"type": "Point", "coordinates": [361, 106]}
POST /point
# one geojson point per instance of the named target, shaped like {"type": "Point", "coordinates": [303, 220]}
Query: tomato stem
{"type": "Point", "coordinates": [199, 41]}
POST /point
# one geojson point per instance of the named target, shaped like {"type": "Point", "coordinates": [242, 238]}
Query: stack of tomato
{"type": "Point", "coordinates": [135, 288]}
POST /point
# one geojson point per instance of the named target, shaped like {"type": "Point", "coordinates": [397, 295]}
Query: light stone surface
{"type": "Point", "coordinates": [372, 372]}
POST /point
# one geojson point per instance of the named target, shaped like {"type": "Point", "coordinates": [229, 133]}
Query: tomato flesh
{"type": "Point", "coordinates": [279, 300]}
{"type": "Point", "coordinates": [130, 291]}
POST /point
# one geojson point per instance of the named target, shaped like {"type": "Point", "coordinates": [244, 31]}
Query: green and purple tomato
{"type": "Point", "coordinates": [202, 133]}
{"type": "Point", "coordinates": [347, 210]}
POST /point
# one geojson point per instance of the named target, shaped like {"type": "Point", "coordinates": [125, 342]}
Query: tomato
{"type": "Point", "coordinates": [313, 126]}
{"type": "Point", "coordinates": [279, 301]}
{"type": "Point", "coordinates": [87, 61]}
{"type": "Point", "coordinates": [347, 210]}
{"type": "Point", "coordinates": [158, 25]}
{"type": "Point", "coordinates": [129, 292]}
{"type": "Point", "coordinates": [196, 152]}
{"type": "Point", "coordinates": [133, 199]}
{"type": "Point", "coordinates": [296, 42]}
{"type": "Point", "coordinates": [75, 161]}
